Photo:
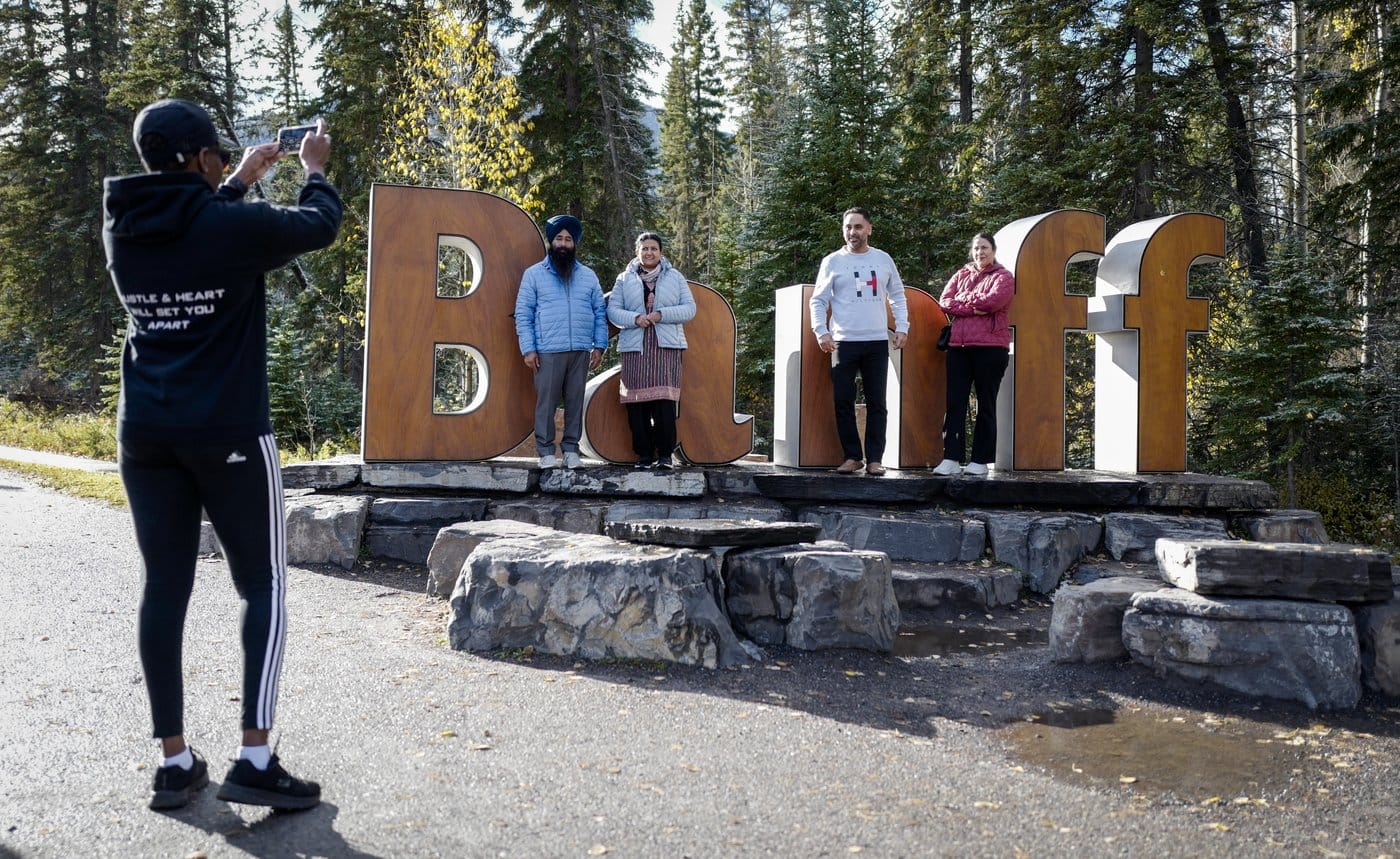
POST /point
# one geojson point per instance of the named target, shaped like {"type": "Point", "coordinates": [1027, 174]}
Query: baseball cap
{"type": "Point", "coordinates": [170, 130]}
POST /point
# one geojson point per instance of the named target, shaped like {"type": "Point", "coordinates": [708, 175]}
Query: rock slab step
{"type": "Point", "coordinates": [1331, 572]}
{"type": "Point", "coordinates": [712, 533]}
{"type": "Point", "coordinates": [1133, 536]}
{"type": "Point", "coordinates": [929, 538]}
{"type": "Point", "coordinates": [1044, 547]}
{"type": "Point", "coordinates": [1283, 526]}
{"type": "Point", "coordinates": [1086, 624]}
{"type": "Point", "coordinates": [812, 597]}
{"type": "Point", "coordinates": [1267, 648]}
{"type": "Point", "coordinates": [954, 588]}
{"type": "Point", "coordinates": [593, 597]}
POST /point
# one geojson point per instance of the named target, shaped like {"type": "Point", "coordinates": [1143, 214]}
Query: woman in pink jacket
{"type": "Point", "coordinates": [976, 300]}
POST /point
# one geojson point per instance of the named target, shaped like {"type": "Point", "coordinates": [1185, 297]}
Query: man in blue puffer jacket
{"type": "Point", "coordinates": [562, 325]}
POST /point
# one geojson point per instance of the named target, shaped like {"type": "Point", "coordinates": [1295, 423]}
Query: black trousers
{"type": "Point", "coordinates": [869, 358]}
{"type": "Point", "coordinates": [240, 486]}
{"type": "Point", "coordinates": [969, 367]}
{"type": "Point", "coordinates": [653, 426]}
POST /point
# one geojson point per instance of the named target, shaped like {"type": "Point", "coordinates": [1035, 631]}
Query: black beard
{"type": "Point", "coordinates": [563, 259]}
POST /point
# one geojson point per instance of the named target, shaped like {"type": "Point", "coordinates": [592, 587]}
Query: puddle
{"type": "Point", "coordinates": [1195, 758]}
{"type": "Point", "coordinates": [942, 640]}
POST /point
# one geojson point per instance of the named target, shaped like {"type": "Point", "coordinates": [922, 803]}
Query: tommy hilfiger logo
{"type": "Point", "coordinates": [873, 283]}
{"type": "Point", "coordinates": [235, 458]}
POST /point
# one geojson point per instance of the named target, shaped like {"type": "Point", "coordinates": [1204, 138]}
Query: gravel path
{"type": "Point", "coordinates": [423, 751]}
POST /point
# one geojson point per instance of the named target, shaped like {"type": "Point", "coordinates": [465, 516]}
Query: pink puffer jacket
{"type": "Point", "coordinates": [989, 290]}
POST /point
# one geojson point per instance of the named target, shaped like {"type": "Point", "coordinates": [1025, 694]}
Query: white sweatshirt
{"type": "Point", "coordinates": [856, 287]}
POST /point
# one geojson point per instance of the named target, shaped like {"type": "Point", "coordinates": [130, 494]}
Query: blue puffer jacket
{"type": "Point", "coordinates": [552, 316]}
{"type": "Point", "coordinates": [627, 301]}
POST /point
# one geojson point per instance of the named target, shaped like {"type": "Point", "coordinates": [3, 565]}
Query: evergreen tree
{"type": "Point", "coordinates": [580, 74]}
{"type": "Point", "coordinates": [837, 152]}
{"type": "Point", "coordinates": [694, 152]}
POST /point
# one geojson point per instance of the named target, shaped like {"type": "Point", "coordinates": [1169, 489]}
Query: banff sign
{"type": "Point", "coordinates": [1140, 313]}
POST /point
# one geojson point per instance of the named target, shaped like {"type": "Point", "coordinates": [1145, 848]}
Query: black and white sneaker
{"type": "Point", "coordinates": [174, 784]}
{"type": "Point", "coordinates": [273, 787]}
{"type": "Point", "coordinates": [643, 465]}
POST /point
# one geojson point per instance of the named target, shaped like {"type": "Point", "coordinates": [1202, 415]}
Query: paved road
{"type": "Point", "coordinates": [427, 752]}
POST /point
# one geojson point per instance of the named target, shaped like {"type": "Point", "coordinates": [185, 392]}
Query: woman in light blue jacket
{"type": "Point", "coordinates": [650, 303]}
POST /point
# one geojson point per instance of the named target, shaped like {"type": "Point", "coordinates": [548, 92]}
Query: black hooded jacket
{"type": "Point", "coordinates": [189, 264]}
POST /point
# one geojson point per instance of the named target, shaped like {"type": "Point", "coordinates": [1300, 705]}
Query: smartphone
{"type": "Point", "coordinates": [289, 139]}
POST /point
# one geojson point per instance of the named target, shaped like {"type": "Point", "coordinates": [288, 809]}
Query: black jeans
{"type": "Point", "coordinates": [653, 426]}
{"type": "Point", "coordinates": [871, 359]}
{"type": "Point", "coordinates": [240, 486]}
{"type": "Point", "coordinates": [981, 367]}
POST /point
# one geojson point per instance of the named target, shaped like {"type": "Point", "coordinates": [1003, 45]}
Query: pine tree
{"type": "Point", "coordinates": [694, 152]}
{"type": "Point", "coordinates": [580, 75]}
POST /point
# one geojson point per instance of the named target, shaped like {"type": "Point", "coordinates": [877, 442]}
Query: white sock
{"type": "Point", "coordinates": [260, 756]}
{"type": "Point", "coordinates": [184, 760]}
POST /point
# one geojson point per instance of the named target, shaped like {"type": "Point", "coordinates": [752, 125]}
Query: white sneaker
{"type": "Point", "coordinates": [947, 468]}
{"type": "Point", "coordinates": [975, 469]}
{"type": "Point", "coordinates": [549, 460]}
{"type": "Point", "coordinates": [571, 459]}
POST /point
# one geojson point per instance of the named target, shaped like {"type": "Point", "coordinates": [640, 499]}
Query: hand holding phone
{"type": "Point", "coordinates": [289, 138]}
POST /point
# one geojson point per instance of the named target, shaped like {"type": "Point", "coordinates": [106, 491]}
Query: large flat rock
{"type": "Point", "coordinates": [1378, 628]}
{"type": "Point", "coordinates": [495, 476]}
{"type": "Point", "coordinates": [617, 480]}
{"type": "Point", "coordinates": [812, 597]}
{"type": "Point", "coordinates": [751, 509]}
{"type": "Point", "coordinates": [572, 514]}
{"type": "Point", "coordinates": [324, 475]}
{"type": "Point", "coordinates": [455, 542]}
{"type": "Point", "coordinates": [1283, 526]}
{"type": "Point", "coordinates": [954, 587]}
{"type": "Point", "coordinates": [403, 529]}
{"type": "Point", "coordinates": [1304, 571]}
{"type": "Point", "coordinates": [826, 485]}
{"type": "Point", "coordinates": [1203, 492]}
{"type": "Point", "coordinates": [1045, 489]}
{"type": "Point", "coordinates": [1267, 648]}
{"type": "Point", "coordinates": [1133, 536]}
{"type": "Point", "coordinates": [325, 529]}
{"type": "Point", "coordinates": [592, 597]}
{"type": "Point", "coordinates": [1044, 546]}
{"type": "Point", "coordinates": [712, 533]}
{"type": "Point", "coordinates": [903, 535]}
{"type": "Point", "coordinates": [1086, 624]}
{"type": "Point", "coordinates": [436, 512]}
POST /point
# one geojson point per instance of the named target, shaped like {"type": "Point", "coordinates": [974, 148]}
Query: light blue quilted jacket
{"type": "Point", "coordinates": [551, 316]}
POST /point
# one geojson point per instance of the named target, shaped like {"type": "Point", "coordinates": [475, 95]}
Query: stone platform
{"type": "Point", "coordinates": [1037, 525]}
{"type": "Point", "coordinates": [1075, 489]}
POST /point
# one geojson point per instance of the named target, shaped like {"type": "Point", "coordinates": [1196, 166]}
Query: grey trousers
{"type": "Point", "coordinates": [560, 374]}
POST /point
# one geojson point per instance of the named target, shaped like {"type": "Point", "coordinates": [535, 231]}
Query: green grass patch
{"type": "Point", "coordinates": [89, 435]}
{"type": "Point", "coordinates": [100, 485]}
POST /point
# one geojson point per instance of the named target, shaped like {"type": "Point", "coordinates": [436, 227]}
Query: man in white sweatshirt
{"type": "Point", "coordinates": [854, 284]}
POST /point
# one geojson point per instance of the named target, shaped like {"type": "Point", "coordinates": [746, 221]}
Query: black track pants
{"type": "Point", "coordinates": [240, 486]}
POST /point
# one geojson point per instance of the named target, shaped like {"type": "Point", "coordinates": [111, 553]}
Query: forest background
{"type": "Point", "coordinates": [943, 117]}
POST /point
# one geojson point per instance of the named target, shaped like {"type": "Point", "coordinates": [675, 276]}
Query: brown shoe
{"type": "Point", "coordinates": [875, 469]}
{"type": "Point", "coordinates": [850, 466]}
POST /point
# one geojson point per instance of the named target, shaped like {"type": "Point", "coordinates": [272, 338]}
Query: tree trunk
{"type": "Point", "coordinates": [1145, 171]}
{"type": "Point", "coordinates": [1240, 147]}
{"type": "Point", "coordinates": [1300, 126]}
{"type": "Point", "coordinates": [965, 62]}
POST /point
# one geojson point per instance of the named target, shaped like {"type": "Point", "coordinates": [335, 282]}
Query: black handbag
{"type": "Point", "coordinates": [943, 337]}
